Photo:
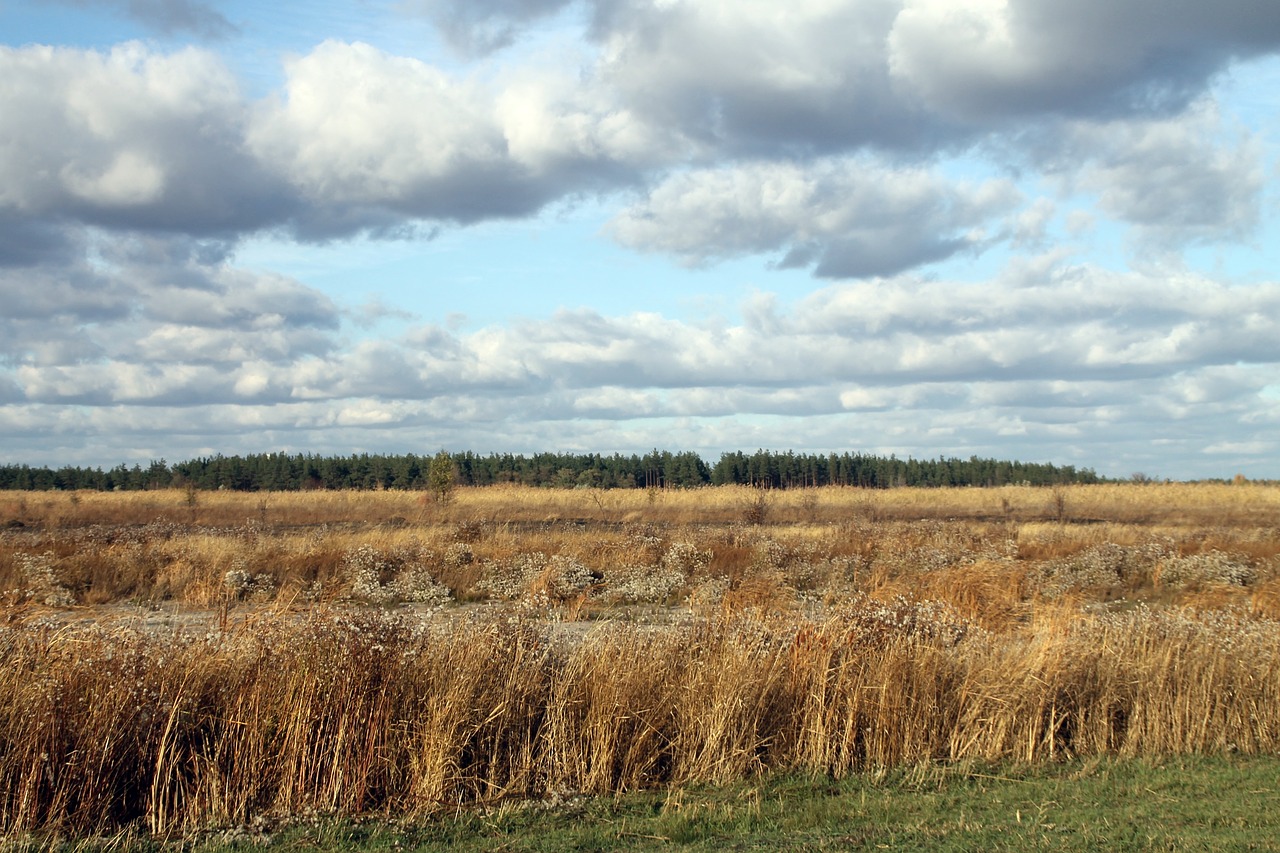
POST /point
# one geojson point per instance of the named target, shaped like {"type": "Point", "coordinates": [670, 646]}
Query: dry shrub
{"type": "Point", "coordinates": [1212, 597]}
{"type": "Point", "coordinates": [1199, 570]}
{"type": "Point", "coordinates": [762, 594]}
{"type": "Point", "coordinates": [1041, 542]}
{"type": "Point", "coordinates": [147, 546]}
{"type": "Point", "coordinates": [940, 640]}
{"type": "Point", "coordinates": [355, 712]}
{"type": "Point", "coordinates": [611, 711]}
{"type": "Point", "coordinates": [1097, 570]}
{"type": "Point", "coordinates": [537, 578]}
{"type": "Point", "coordinates": [687, 559]}
{"type": "Point", "coordinates": [730, 559]}
{"type": "Point", "coordinates": [460, 570]}
{"type": "Point", "coordinates": [989, 592]}
{"type": "Point", "coordinates": [642, 585]}
{"type": "Point", "coordinates": [381, 577]}
{"type": "Point", "coordinates": [1266, 599]}
{"type": "Point", "coordinates": [563, 579]}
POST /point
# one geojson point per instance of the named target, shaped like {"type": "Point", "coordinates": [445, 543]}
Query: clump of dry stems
{"type": "Point", "coordinates": [354, 712]}
{"type": "Point", "coordinates": [840, 631]}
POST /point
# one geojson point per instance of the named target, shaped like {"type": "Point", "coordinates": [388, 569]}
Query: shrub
{"type": "Point", "coordinates": [1212, 567]}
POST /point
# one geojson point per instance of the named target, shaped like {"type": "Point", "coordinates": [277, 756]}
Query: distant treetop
{"type": "Point", "coordinates": [656, 469]}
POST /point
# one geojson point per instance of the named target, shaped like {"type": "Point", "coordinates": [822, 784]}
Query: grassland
{"type": "Point", "coordinates": [1183, 803]}
{"type": "Point", "coordinates": [175, 661]}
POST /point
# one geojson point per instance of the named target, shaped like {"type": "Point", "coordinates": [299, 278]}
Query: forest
{"type": "Point", "coordinates": [656, 469]}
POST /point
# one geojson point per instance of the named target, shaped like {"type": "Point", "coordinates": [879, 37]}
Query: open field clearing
{"type": "Point", "coordinates": [174, 661]}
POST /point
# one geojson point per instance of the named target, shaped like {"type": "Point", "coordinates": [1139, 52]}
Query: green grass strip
{"type": "Point", "coordinates": [1178, 803]}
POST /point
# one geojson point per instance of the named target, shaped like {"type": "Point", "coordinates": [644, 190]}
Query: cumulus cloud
{"type": "Point", "coordinates": [357, 126]}
{"type": "Point", "coordinates": [846, 218]}
{"type": "Point", "coordinates": [1176, 179]}
{"type": "Point", "coordinates": [130, 139]}
{"type": "Point", "coordinates": [993, 59]}
{"type": "Point", "coordinates": [162, 320]}
{"type": "Point", "coordinates": [826, 135]}
{"type": "Point", "coordinates": [367, 138]}
{"type": "Point", "coordinates": [755, 77]}
{"type": "Point", "coordinates": [483, 26]}
{"type": "Point", "coordinates": [169, 17]}
{"type": "Point", "coordinates": [362, 140]}
{"type": "Point", "coordinates": [838, 343]}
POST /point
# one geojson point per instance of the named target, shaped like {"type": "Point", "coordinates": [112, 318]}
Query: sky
{"type": "Point", "coordinates": [1021, 229]}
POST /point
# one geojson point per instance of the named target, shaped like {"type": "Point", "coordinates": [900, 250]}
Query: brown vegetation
{"type": "Point", "coordinates": [347, 653]}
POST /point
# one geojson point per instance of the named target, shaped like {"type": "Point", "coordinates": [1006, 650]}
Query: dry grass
{"type": "Point", "coordinates": [1202, 504]}
{"type": "Point", "coordinates": [835, 630]}
{"type": "Point", "coordinates": [351, 713]}
{"type": "Point", "coordinates": [1154, 542]}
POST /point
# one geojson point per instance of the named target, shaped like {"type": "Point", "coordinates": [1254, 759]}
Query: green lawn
{"type": "Point", "coordinates": [1176, 804]}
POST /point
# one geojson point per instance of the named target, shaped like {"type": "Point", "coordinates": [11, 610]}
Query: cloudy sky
{"type": "Point", "coordinates": [1024, 229]}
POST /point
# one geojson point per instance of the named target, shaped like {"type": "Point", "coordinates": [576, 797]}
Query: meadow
{"type": "Point", "coordinates": [180, 660]}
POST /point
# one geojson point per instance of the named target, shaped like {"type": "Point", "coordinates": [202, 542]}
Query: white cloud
{"type": "Point", "coordinates": [169, 16]}
{"type": "Point", "coordinates": [992, 59]}
{"type": "Point", "coordinates": [847, 218]}
{"type": "Point", "coordinates": [822, 135]}
{"type": "Point", "coordinates": [129, 138]}
{"type": "Point", "coordinates": [359, 126]}
{"type": "Point", "coordinates": [848, 346]}
{"type": "Point", "coordinates": [1175, 179]}
{"type": "Point", "coordinates": [483, 26]}
{"type": "Point", "coordinates": [754, 77]}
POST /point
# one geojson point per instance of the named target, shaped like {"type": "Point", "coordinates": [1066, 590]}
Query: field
{"type": "Point", "coordinates": [175, 661]}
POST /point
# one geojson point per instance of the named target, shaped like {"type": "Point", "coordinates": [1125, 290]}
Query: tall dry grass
{"type": "Point", "coordinates": [809, 545]}
{"type": "Point", "coordinates": [828, 630]}
{"type": "Point", "coordinates": [352, 713]}
{"type": "Point", "coordinates": [1204, 504]}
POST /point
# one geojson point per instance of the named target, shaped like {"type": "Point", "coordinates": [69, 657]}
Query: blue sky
{"type": "Point", "coordinates": [1011, 228]}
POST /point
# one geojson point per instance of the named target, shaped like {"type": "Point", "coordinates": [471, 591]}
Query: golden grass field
{"type": "Point", "coordinates": [192, 659]}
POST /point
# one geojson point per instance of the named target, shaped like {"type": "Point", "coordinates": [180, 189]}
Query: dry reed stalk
{"type": "Point", "coordinates": [609, 720]}
{"type": "Point", "coordinates": [353, 712]}
{"type": "Point", "coordinates": [1266, 599]}
{"type": "Point", "coordinates": [989, 592]}
{"type": "Point", "coordinates": [1175, 503]}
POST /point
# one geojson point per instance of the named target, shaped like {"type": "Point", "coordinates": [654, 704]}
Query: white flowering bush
{"type": "Point", "coordinates": [809, 575]}
{"type": "Point", "coordinates": [41, 582]}
{"type": "Point", "coordinates": [534, 574]}
{"type": "Point", "coordinates": [769, 556]}
{"type": "Point", "coordinates": [643, 546]}
{"type": "Point", "coordinates": [708, 595]}
{"type": "Point", "coordinates": [1098, 567]}
{"type": "Point", "coordinates": [686, 559]}
{"type": "Point", "coordinates": [926, 558]}
{"type": "Point", "coordinates": [237, 581]}
{"type": "Point", "coordinates": [459, 554]}
{"type": "Point", "coordinates": [642, 584]}
{"type": "Point", "coordinates": [380, 578]}
{"type": "Point", "coordinates": [1211, 567]}
{"type": "Point", "coordinates": [511, 580]}
{"type": "Point", "coordinates": [1229, 630]}
{"type": "Point", "coordinates": [416, 585]}
{"type": "Point", "coordinates": [566, 577]}
{"type": "Point", "coordinates": [873, 623]}
{"type": "Point", "coordinates": [364, 567]}
{"type": "Point", "coordinates": [241, 584]}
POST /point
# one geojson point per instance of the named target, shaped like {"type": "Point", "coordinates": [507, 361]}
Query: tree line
{"type": "Point", "coordinates": [656, 469]}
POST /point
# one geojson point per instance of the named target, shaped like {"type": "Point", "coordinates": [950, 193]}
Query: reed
{"type": "Point", "coordinates": [1202, 504]}
{"type": "Point", "coordinates": [353, 653]}
{"type": "Point", "coordinates": [351, 713]}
